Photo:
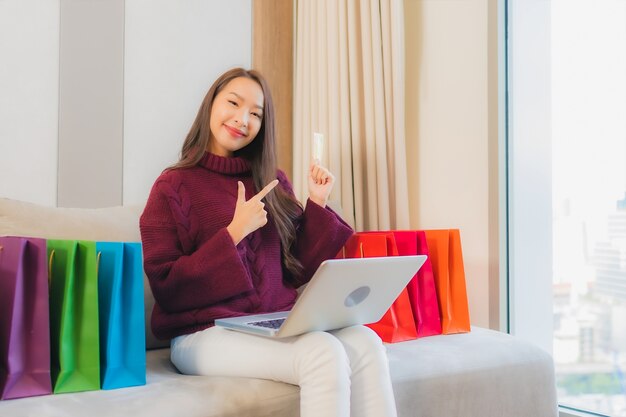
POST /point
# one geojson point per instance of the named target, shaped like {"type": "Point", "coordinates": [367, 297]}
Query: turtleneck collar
{"type": "Point", "coordinates": [224, 165]}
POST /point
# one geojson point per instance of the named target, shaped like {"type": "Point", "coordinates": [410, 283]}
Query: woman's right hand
{"type": "Point", "coordinates": [249, 215]}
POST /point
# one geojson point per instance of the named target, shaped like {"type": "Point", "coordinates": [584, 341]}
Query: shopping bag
{"type": "Point", "coordinates": [446, 256]}
{"type": "Point", "coordinates": [421, 289]}
{"type": "Point", "coordinates": [24, 331]}
{"type": "Point", "coordinates": [372, 243]}
{"type": "Point", "coordinates": [120, 302]}
{"type": "Point", "coordinates": [75, 353]}
{"type": "Point", "coordinates": [397, 324]}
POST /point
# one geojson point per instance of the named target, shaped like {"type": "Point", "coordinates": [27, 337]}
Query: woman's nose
{"type": "Point", "coordinates": [242, 118]}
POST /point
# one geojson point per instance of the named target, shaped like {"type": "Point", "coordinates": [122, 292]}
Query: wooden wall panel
{"type": "Point", "coordinates": [272, 55]}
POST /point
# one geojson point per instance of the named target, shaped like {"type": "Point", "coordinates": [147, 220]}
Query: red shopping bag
{"type": "Point", "coordinates": [421, 289]}
{"type": "Point", "coordinates": [397, 325]}
{"type": "Point", "coordinates": [447, 261]}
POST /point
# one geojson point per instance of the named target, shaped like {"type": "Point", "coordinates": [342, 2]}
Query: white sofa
{"type": "Point", "coordinates": [483, 373]}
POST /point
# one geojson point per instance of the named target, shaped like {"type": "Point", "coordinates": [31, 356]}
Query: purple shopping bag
{"type": "Point", "coordinates": [24, 324]}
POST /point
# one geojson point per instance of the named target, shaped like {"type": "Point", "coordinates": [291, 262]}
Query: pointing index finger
{"type": "Point", "coordinates": [269, 187]}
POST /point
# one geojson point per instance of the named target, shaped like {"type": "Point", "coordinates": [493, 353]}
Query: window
{"type": "Point", "coordinates": [567, 142]}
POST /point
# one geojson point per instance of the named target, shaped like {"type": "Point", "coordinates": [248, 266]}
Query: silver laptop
{"type": "Point", "coordinates": [342, 293]}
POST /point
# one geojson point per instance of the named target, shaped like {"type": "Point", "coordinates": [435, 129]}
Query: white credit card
{"type": "Point", "coordinates": [318, 146]}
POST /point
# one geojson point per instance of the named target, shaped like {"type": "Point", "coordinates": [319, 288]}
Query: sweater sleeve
{"type": "Point", "coordinates": [184, 280]}
{"type": "Point", "coordinates": [320, 235]}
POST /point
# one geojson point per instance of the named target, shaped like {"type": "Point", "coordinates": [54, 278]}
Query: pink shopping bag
{"type": "Point", "coordinates": [422, 290]}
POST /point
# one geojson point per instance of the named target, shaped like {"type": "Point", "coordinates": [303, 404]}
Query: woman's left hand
{"type": "Point", "coordinates": [321, 183]}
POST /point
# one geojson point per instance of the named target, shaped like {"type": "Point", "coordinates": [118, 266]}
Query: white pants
{"type": "Point", "coordinates": [341, 373]}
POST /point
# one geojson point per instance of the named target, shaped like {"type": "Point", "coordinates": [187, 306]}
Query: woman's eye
{"type": "Point", "coordinates": [234, 103]}
{"type": "Point", "coordinates": [257, 115]}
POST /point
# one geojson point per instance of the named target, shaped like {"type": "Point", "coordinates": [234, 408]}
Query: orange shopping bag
{"type": "Point", "coordinates": [397, 325]}
{"type": "Point", "coordinates": [446, 256]}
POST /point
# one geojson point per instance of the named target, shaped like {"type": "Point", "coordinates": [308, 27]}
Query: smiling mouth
{"type": "Point", "coordinates": [235, 132]}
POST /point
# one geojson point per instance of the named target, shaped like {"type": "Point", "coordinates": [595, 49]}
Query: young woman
{"type": "Point", "coordinates": [223, 235]}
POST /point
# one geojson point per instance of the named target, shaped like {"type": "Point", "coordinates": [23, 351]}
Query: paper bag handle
{"type": "Point", "coordinates": [343, 250]}
{"type": "Point", "coordinates": [51, 260]}
{"type": "Point", "coordinates": [50, 268]}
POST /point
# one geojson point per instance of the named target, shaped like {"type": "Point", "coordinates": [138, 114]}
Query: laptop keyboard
{"type": "Point", "coordinates": [270, 324]}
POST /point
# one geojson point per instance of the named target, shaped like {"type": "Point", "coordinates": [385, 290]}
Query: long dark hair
{"type": "Point", "coordinates": [282, 206]}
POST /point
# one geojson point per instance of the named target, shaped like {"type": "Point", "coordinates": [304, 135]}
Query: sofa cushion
{"type": "Point", "coordinates": [168, 393]}
{"type": "Point", "coordinates": [105, 224]}
{"type": "Point", "coordinates": [114, 224]}
{"type": "Point", "coordinates": [479, 374]}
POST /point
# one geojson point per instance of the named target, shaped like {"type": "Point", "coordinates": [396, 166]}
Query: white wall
{"type": "Point", "coordinates": [449, 160]}
{"type": "Point", "coordinates": [29, 96]}
{"type": "Point", "coordinates": [173, 51]}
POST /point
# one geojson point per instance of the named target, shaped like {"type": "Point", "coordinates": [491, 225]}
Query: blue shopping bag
{"type": "Point", "coordinates": [122, 334]}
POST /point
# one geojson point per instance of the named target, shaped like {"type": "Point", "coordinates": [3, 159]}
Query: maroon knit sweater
{"type": "Point", "coordinates": [196, 272]}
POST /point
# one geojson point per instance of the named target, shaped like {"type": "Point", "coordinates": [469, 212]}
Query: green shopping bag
{"type": "Point", "coordinates": [74, 337]}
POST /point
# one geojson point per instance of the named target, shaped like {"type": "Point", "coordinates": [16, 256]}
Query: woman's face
{"type": "Point", "coordinates": [236, 116]}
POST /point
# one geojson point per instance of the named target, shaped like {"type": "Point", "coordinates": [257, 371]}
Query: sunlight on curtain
{"type": "Point", "coordinates": [349, 86]}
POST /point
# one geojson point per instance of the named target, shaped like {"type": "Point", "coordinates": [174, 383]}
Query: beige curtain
{"type": "Point", "coordinates": [349, 86]}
